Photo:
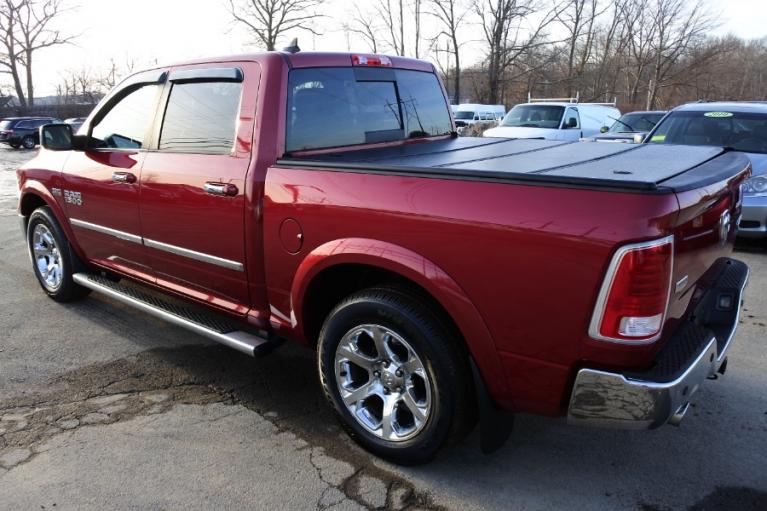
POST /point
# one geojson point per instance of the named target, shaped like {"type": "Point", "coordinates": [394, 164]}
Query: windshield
{"type": "Point", "coordinates": [464, 115]}
{"type": "Point", "coordinates": [746, 132]}
{"type": "Point", "coordinates": [4, 125]}
{"type": "Point", "coordinates": [338, 107]}
{"type": "Point", "coordinates": [633, 123]}
{"type": "Point", "coordinates": [534, 116]}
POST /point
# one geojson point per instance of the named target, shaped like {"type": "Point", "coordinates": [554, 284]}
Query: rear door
{"type": "Point", "coordinates": [193, 185]}
{"type": "Point", "coordinates": [101, 188]}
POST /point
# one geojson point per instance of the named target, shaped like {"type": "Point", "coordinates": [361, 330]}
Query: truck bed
{"type": "Point", "coordinates": [652, 168]}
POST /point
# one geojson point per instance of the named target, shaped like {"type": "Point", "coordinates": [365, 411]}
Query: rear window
{"type": "Point", "coordinates": [534, 116]}
{"type": "Point", "coordinates": [746, 132]}
{"type": "Point", "coordinates": [337, 107]}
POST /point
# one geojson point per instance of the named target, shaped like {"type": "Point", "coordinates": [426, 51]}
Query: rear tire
{"type": "Point", "coordinates": [396, 375]}
{"type": "Point", "coordinates": [28, 142]}
{"type": "Point", "coordinates": [53, 260]}
{"type": "Point", "coordinates": [15, 146]}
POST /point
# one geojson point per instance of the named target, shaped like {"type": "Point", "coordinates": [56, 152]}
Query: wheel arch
{"type": "Point", "coordinates": [34, 195]}
{"type": "Point", "coordinates": [353, 264]}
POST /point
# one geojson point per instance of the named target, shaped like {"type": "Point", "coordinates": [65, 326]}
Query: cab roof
{"type": "Point", "coordinates": [302, 59]}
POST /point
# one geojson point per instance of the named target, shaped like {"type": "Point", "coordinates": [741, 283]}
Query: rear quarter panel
{"type": "Point", "coordinates": [529, 258]}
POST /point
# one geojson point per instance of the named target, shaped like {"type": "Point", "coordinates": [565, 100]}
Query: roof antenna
{"type": "Point", "coordinates": [293, 47]}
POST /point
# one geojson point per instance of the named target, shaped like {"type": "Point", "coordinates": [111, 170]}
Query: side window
{"type": "Point", "coordinates": [572, 120]}
{"type": "Point", "coordinates": [201, 117]}
{"type": "Point", "coordinates": [23, 125]}
{"type": "Point", "coordinates": [125, 125]}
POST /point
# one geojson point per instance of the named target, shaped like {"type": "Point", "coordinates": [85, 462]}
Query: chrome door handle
{"type": "Point", "coordinates": [225, 189]}
{"type": "Point", "coordinates": [123, 177]}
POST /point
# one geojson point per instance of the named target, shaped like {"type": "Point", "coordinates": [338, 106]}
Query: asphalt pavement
{"type": "Point", "coordinates": [103, 407]}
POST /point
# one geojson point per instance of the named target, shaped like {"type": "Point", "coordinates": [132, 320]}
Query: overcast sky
{"type": "Point", "coordinates": [146, 31]}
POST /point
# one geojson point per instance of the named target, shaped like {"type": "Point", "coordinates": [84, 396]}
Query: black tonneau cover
{"type": "Point", "coordinates": [648, 167]}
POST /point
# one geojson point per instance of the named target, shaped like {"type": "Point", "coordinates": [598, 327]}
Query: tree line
{"type": "Point", "coordinates": [647, 54]}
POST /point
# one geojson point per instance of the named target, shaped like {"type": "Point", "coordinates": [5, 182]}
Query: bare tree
{"type": "Point", "coordinates": [270, 19]}
{"type": "Point", "coordinates": [450, 15]}
{"type": "Point", "coordinates": [393, 15]}
{"type": "Point", "coordinates": [578, 18]}
{"type": "Point", "coordinates": [510, 33]}
{"type": "Point", "coordinates": [363, 24]}
{"type": "Point", "coordinates": [27, 26]}
{"type": "Point", "coordinates": [417, 29]}
{"type": "Point", "coordinates": [678, 26]}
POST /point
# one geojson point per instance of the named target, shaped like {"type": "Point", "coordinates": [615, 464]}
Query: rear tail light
{"type": "Point", "coordinates": [632, 302]}
{"type": "Point", "coordinates": [371, 60]}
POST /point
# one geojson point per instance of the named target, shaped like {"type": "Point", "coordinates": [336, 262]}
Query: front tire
{"type": "Point", "coordinates": [395, 374]}
{"type": "Point", "coordinates": [53, 260]}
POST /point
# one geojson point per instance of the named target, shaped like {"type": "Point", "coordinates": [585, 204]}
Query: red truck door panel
{"type": "Point", "coordinates": [101, 184]}
{"type": "Point", "coordinates": [193, 187]}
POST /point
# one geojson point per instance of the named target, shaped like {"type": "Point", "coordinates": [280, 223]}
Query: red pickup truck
{"type": "Point", "coordinates": [325, 197]}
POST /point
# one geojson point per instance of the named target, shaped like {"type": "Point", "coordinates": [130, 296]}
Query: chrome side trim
{"type": "Point", "coordinates": [106, 230]}
{"type": "Point", "coordinates": [192, 254]}
{"type": "Point", "coordinates": [239, 340]}
{"type": "Point", "coordinates": [607, 284]}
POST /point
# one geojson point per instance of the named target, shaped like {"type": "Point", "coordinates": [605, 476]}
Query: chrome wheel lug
{"type": "Point", "coordinates": [399, 390]}
{"type": "Point", "coordinates": [399, 373]}
{"type": "Point", "coordinates": [386, 363]}
{"type": "Point", "coordinates": [377, 374]}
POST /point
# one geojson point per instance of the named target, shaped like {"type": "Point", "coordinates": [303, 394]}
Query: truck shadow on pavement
{"type": "Point", "coordinates": [605, 469]}
{"type": "Point", "coordinates": [283, 389]}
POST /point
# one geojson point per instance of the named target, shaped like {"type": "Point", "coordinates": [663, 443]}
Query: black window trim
{"type": "Point", "coordinates": [208, 74]}
{"type": "Point", "coordinates": [126, 87]}
{"type": "Point", "coordinates": [162, 108]}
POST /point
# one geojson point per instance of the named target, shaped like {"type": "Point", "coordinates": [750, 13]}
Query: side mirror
{"type": "Point", "coordinates": [639, 137]}
{"type": "Point", "coordinates": [572, 122]}
{"type": "Point", "coordinates": [603, 129]}
{"type": "Point", "coordinates": [56, 137]}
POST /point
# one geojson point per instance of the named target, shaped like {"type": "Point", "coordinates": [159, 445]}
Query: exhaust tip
{"type": "Point", "coordinates": [676, 419]}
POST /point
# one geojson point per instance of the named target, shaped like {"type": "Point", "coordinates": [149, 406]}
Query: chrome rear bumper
{"type": "Point", "coordinates": [661, 395]}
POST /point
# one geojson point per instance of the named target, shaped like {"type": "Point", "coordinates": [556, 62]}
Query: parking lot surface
{"type": "Point", "coordinates": [103, 407]}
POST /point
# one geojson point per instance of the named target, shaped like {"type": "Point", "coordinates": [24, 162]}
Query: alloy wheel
{"type": "Point", "coordinates": [383, 382]}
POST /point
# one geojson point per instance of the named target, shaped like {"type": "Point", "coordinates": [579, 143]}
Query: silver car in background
{"type": "Point", "coordinates": [738, 126]}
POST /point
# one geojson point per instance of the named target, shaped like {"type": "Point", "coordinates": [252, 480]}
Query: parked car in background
{"type": "Point", "coordinates": [471, 113]}
{"type": "Point", "coordinates": [23, 131]}
{"type": "Point", "coordinates": [737, 126]}
{"type": "Point", "coordinates": [555, 120]}
{"type": "Point", "coordinates": [75, 122]}
{"type": "Point", "coordinates": [631, 127]}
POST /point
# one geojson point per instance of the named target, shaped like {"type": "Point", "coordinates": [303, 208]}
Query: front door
{"type": "Point", "coordinates": [193, 187]}
{"type": "Point", "coordinates": [101, 183]}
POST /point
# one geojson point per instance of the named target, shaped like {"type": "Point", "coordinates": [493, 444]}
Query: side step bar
{"type": "Point", "coordinates": [196, 319]}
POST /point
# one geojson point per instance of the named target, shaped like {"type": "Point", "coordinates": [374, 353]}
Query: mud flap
{"type": "Point", "coordinates": [495, 425]}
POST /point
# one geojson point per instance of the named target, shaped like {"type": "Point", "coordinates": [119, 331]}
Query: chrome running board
{"type": "Point", "coordinates": [209, 324]}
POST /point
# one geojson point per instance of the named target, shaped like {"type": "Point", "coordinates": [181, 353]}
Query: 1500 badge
{"type": "Point", "coordinates": [74, 198]}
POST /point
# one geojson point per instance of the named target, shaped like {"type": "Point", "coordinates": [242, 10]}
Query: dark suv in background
{"type": "Point", "coordinates": [23, 131]}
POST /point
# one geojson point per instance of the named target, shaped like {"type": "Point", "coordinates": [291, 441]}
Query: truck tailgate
{"type": "Point", "coordinates": [705, 230]}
